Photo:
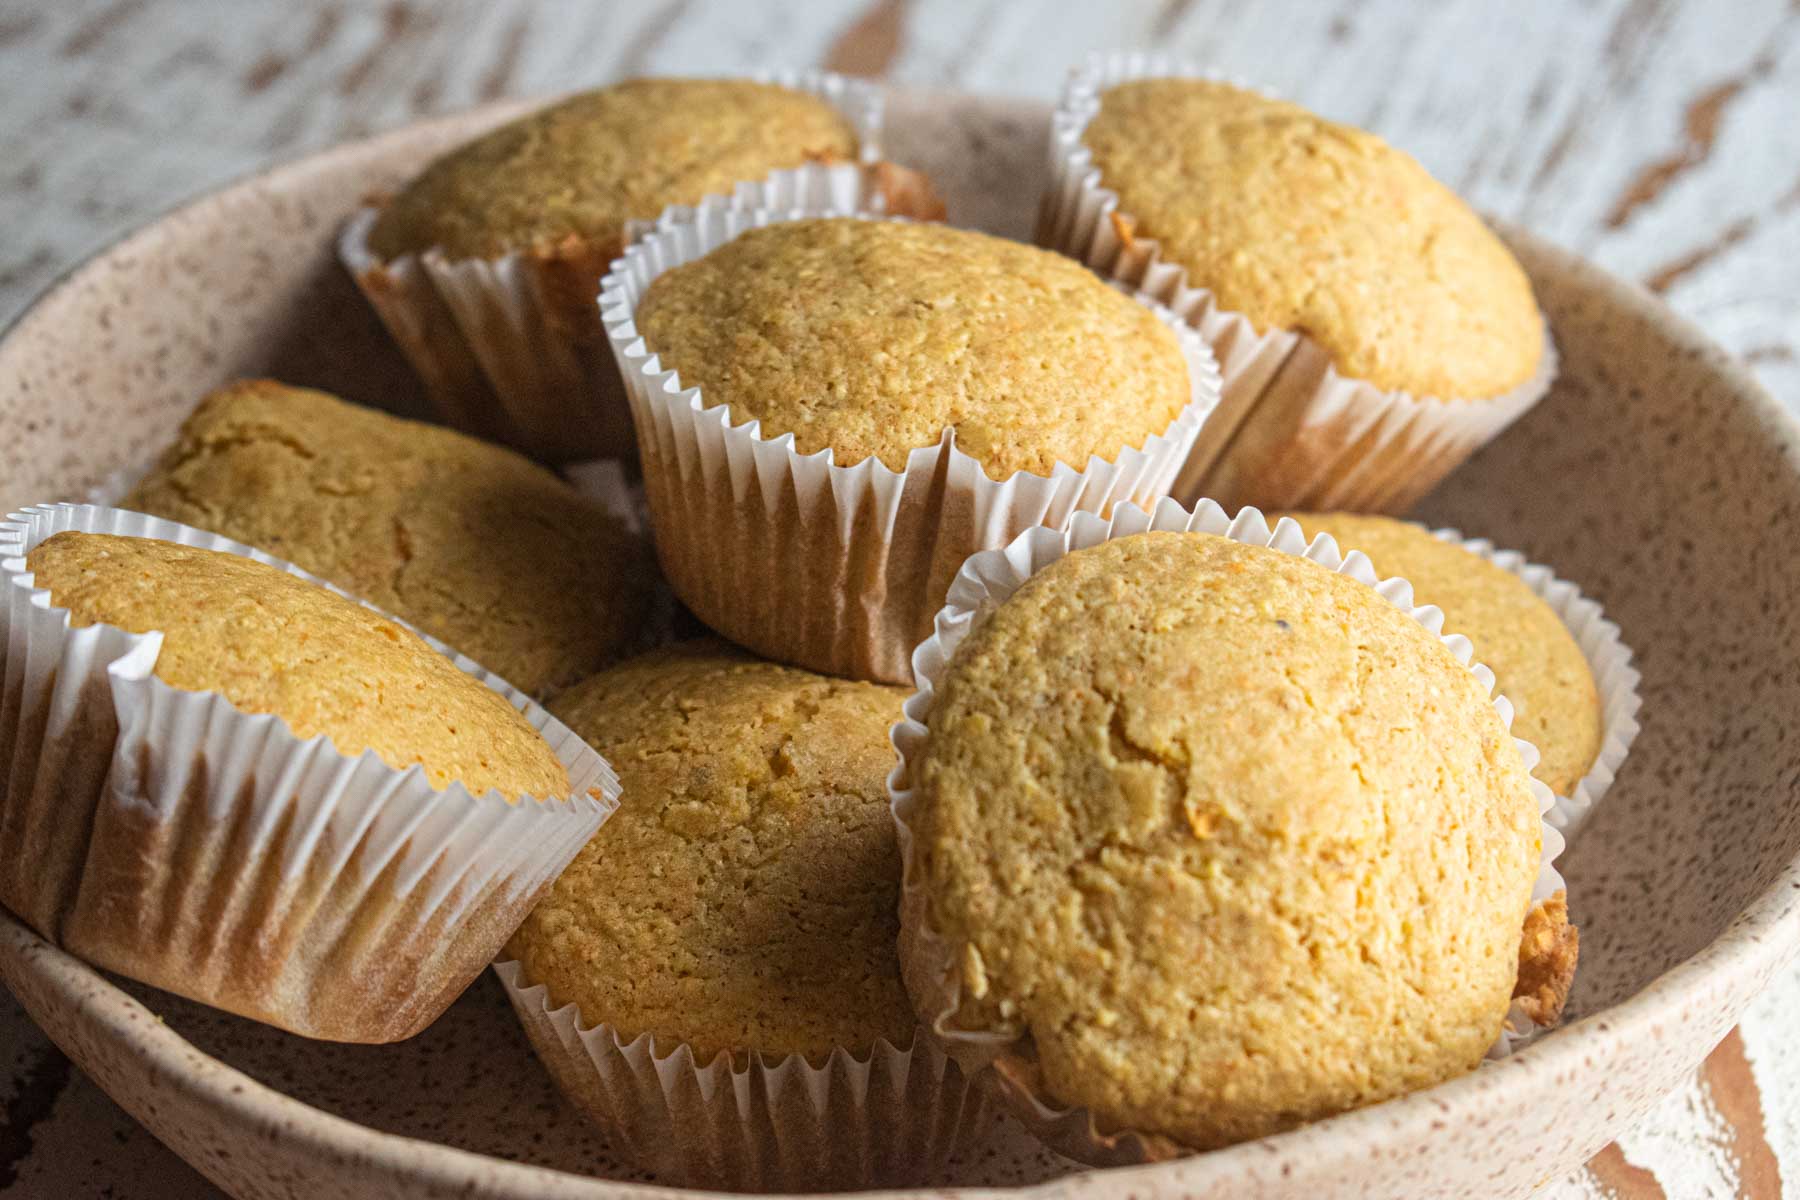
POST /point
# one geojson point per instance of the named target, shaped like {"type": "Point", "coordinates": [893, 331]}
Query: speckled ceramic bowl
{"type": "Point", "coordinates": [1652, 476]}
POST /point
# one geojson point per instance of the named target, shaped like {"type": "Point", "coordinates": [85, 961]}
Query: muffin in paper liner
{"type": "Point", "coordinates": [837, 569]}
{"type": "Point", "coordinates": [511, 349]}
{"type": "Point", "coordinates": [1291, 432]}
{"type": "Point", "coordinates": [929, 964]}
{"type": "Point", "coordinates": [171, 837]}
{"type": "Point", "coordinates": [1608, 657]}
{"type": "Point", "coordinates": [887, 1116]}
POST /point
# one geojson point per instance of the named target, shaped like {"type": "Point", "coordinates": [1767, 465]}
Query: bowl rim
{"type": "Point", "coordinates": [1757, 942]}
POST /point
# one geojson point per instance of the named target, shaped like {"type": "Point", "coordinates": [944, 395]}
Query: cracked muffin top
{"type": "Point", "coordinates": [474, 544]}
{"type": "Point", "coordinates": [273, 643]}
{"type": "Point", "coordinates": [744, 898]}
{"type": "Point", "coordinates": [1303, 224]}
{"type": "Point", "coordinates": [1237, 843]}
{"type": "Point", "coordinates": [870, 338]}
{"type": "Point", "coordinates": [1537, 663]}
{"type": "Point", "coordinates": [569, 176]}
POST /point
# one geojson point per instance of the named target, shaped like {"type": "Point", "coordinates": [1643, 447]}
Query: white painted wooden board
{"type": "Point", "coordinates": [1660, 138]}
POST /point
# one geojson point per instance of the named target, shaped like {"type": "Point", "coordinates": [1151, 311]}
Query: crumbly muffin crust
{"type": "Point", "coordinates": [1536, 662]}
{"type": "Point", "coordinates": [872, 337]}
{"type": "Point", "coordinates": [1235, 842]}
{"type": "Point", "coordinates": [1548, 953]}
{"type": "Point", "coordinates": [272, 643]}
{"type": "Point", "coordinates": [581, 168]}
{"type": "Point", "coordinates": [1307, 225]}
{"type": "Point", "coordinates": [743, 899]}
{"type": "Point", "coordinates": [474, 544]}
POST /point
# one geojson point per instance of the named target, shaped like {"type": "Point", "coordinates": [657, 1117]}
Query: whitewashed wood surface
{"type": "Point", "coordinates": [1660, 138]}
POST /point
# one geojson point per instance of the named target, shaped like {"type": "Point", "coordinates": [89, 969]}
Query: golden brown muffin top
{"type": "Point", "coordinates": [1536, 661]}
{"type": "Point", "coordinates": [1303, 224]}
{"type": "Point", "coordinates": [474, 544]}
{"type": "Point", "coordinates": [872, 337]}
{"type": "Point", "coordinates": [581, 168]}
{"type": "Point", "coordinates": [272, 643]}
{"type": "Point", "coordinates": [1238, 843]}
{"type": "Point", "coordinates": [743, 898]}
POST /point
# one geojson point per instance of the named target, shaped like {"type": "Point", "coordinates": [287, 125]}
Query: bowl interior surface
{"type": "Point", "coordinates": [1649, 476]}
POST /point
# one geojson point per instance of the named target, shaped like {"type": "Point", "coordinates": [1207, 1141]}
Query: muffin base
{"type": "Point", "coordinates": [508, 348]}
{"type": "Point", "coordinates": [178, 840]}
{"type": "Point", "coordinates": [1291, 432]}
{"type": "Point", "coordinates": [931, 966]}
{"type": "Point", "coordinates": [885, 1117]}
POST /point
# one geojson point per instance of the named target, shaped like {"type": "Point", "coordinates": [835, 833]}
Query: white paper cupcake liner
{"type": "Point", "coordinates": [888, 1117]}
{"type": "Point", "coordinates": [837, 569]}
{"type": "Point", "coordinates": [169, 836]}
{"type": "Point", "coordinates": [1290, 432]}
{"type": "Point", "coordinates": [1608, 659]}
{"type": "Point", "coordinates": [511, 349]}
{"type": "Point", "coordinates": [983, 584]}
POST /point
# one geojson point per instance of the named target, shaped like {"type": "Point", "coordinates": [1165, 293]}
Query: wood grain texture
{"type": "Point", "coordinates": [1657, 137]}
{"type": "Point", "coordinates": [1654, 136]}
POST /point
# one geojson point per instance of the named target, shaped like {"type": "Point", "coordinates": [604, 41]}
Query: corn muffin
{"type": "Point", "coordinates": [723, 957]}
{"type": "Point", "coordinates": [569, 176]}
{"type": "Point", "coordinates": [472, 543]}
{"type": "Point", "coordinates": [1232, 841]}
{"type": "Point", "coordinates": [235, 784]}
{"type": "Point", "coordinates": [1371, 331]}
{"type": "Point", "coordinates": [1304, 224]}
{"type": "Point", "coordinates": [1536, 662]}
{"type": "Point", "coordinates": [744, 898]}
{"type": "Point", "coordinates": [876, 401]}
{"type": "Point", "coordinates": [270, 642]}
{"type": "Point", "coordinates": [871, 338]}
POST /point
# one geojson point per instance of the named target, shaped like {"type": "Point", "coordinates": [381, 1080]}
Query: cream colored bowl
{"type": "Point", "coordinates": [1658, 476]}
